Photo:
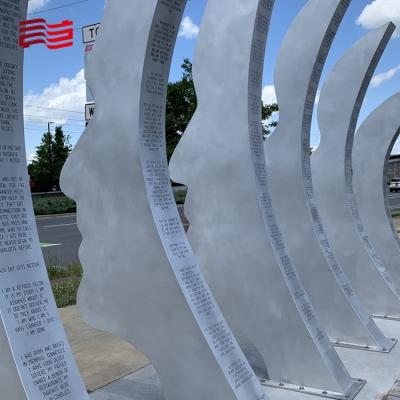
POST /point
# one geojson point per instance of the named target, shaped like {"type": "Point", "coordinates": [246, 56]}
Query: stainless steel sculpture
{"type": "Point", "coordinates": [10, 383]}
{"type": "Point", "coordinates": [41, 355]}
{"type": "Point", "coordinates": [339, 106]}
{"type": "Point", "coordinates": [169, 313]}
{"type": "Point", "coordinates": [297, 75]}
{"type": "Point", "coordinates": [373, 144]}
{"type": "Point", "coordinates": [219, 154]}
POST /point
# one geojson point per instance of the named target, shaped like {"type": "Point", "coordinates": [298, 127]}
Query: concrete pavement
{"type": "Point", "coordinates": [101, 357]}
{"type": "Point", "coordinates": [380, 370]}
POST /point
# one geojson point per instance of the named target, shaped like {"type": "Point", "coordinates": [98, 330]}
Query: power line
{"type": "Point", "coordinates": [54, 109]}
{"type": "Point", "coordinates": [57, 8]}
{"type": "Point", "coordinates": [45, 128]}
{"type": "Point", "coordinates": [52, 117]}
{"type": "Point", "coordinates": [43, 124]}
{"type": "Point", "coordinates": [44, 119]}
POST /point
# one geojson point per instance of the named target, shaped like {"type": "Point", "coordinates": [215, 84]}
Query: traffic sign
{"type": "Point", "coordinates": [90, 32]}
{"type": "Point", "coordinates": [89, 111]}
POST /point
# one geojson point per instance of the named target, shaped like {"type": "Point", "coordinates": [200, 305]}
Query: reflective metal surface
{"type": "Point", "coordinates": [134, 293]}
{"type": "Point", "coordinates": [218, 163]}
{"type": "Point", "coordinates": [40, 364]}
{"type": "Point", "coordinates": [339, 106]}
{"type": "Point", "coordinates": [297, 75]}
{"type": "Point", "coordinates": [10, 382]}
{"type": "Point", "coordinates": [373, 144]}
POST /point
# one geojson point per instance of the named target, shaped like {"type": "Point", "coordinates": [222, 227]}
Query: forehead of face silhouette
{"type": "Point", "coordinates": [223, 40]}
{"type": "Point", "coordinates": [127, 279]}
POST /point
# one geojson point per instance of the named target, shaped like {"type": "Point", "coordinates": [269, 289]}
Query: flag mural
{"type": "Point", "coordinates": [53, 36]}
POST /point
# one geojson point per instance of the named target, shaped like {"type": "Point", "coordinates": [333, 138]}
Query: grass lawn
{"type": "Point", "coordinates": [65, 283]}
{"type": "Point", "coordinates": [180, 196]}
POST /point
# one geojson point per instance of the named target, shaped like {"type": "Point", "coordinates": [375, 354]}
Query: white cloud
{"type": "Point", "coordinates": [188, 29]}
{"type": "Point", "coordinates": [317, 97]}
{"type": "Point", "coordinates": [35, 5]}
{"type": "Point", "coordinates": [384, 76]}
{"type": "Point", "coordinates": [269, 95]}
{"type": "Point", "coordinates": [380, 12]}
{"type": "Point", "coordinates": [30, 157]}
{"type": "Point", "coordinates": [66, 94]}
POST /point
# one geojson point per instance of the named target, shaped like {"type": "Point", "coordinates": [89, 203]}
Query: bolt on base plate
{"type": "Point", "coordinates": [389, 317]}
{"type": "Point", "coordinates": [353, 391]}
{"type": "Point", "coordinates": [387, 349]}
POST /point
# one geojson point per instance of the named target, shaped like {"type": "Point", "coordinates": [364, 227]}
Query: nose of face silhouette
{"type": "Point", "coordinates": [70, 178]}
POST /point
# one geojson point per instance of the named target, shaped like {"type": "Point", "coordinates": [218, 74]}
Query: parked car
{"type": "Point", "coordinates": [394, 185]}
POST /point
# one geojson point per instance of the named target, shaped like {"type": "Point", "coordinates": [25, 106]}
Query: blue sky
{"type": "Point", "coordinates": [54, 79]}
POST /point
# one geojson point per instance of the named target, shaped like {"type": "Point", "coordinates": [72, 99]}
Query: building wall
{"type": "Point", "coordinates": [393, 167]}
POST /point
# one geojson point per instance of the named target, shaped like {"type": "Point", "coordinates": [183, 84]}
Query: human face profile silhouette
{"type": "Point", "coordinates": [128, 286]}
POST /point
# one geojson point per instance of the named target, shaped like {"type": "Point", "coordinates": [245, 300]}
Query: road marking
{"type": "Point", "coordinates": [55, 226]}
{"type": "Point", "coordinates": [44, 245]}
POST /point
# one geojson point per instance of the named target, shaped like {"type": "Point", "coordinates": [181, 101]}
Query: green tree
{"type": "Point", "coordinates": [181, 105]}
{"type": "Point", "coordinates": [267, 124]}
{"type": "Point", "coordinates": [50, 157]}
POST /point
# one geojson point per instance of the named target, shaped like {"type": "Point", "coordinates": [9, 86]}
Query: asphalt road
{"type": "Point", "coordinates": [394, 201]}
{"type": "Point", "coordinates": [59, 238]}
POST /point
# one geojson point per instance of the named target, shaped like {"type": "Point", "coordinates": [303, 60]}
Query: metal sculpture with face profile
{"type": "Point", "coordinates": [339, 106]}
{"type": "Point", "coordinates": [373, 145]}
{"type": "Point", "coordinates": [141, 280]}
{"type": "Point", "coordinates": [36, 361]}
{"type": "Point", "coordinates": [217, 158]}
{"type": "Point", "coordinates": [10, 383]}
{"type": "Point", "coordinates": [297, 74]}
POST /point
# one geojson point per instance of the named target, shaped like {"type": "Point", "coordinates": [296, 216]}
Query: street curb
{"type": "Point", "coordinates": [47, 216]}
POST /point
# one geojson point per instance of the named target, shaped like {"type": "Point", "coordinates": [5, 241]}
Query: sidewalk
{"type": "Point", "coordinates": [101, 357]}
{"type": "Point", "coordinates": [114, 370]}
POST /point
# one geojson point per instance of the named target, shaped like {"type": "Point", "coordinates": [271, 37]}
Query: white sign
{"type": "Point", "coordinates": [89, 111]}
{"type": "Point", "coordinates": [89, 33]}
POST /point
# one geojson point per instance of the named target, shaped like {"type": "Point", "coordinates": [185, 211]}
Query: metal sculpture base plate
{"type": "Point", "coordinates": [366, 348]}
{"type": "Point", "coordinates": [388, 317]}
{"type": "Point", "coordinates": [353, 392]}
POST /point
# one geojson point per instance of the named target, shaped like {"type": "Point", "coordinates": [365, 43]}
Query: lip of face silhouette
{"type": "Point", "coordinates": [128, 286]}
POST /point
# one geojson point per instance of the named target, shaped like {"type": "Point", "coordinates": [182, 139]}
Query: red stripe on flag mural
{"type": "Point", "coordinates": [53, 36]}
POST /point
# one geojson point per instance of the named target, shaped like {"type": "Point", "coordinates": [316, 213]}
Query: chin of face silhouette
{"type": "Point", "coordinates": [128, 286]}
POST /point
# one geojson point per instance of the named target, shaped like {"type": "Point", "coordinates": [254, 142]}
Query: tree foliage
{"type": "Point", "coordinates": [50, 157]}
{"type": "Point", "coordinates": [267, 111]}
{"type": "Point", "coordinates": [182, 103]}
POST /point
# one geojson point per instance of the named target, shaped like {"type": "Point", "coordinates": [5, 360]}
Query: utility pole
{"type": "Point", "coordinates": [50, 155]}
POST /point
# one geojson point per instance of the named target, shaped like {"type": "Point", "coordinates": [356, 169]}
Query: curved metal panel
{"type": "Point", "coordinates": [297, 75]}
{"type": "Point", "coordinates": [373, 144]}
{"type": "Point", "coordinates": [40, 353]}
{"type": "Point", "coordinates": [215, 160]}
{"type": "Point", "coordinates": [165, 309]}
{"type": "Point", "coordinates": [10, 383]}
{"type": "Point", "coordinates": [339, 107]}
{"type": "Point", "coordinates": [386, 191]}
